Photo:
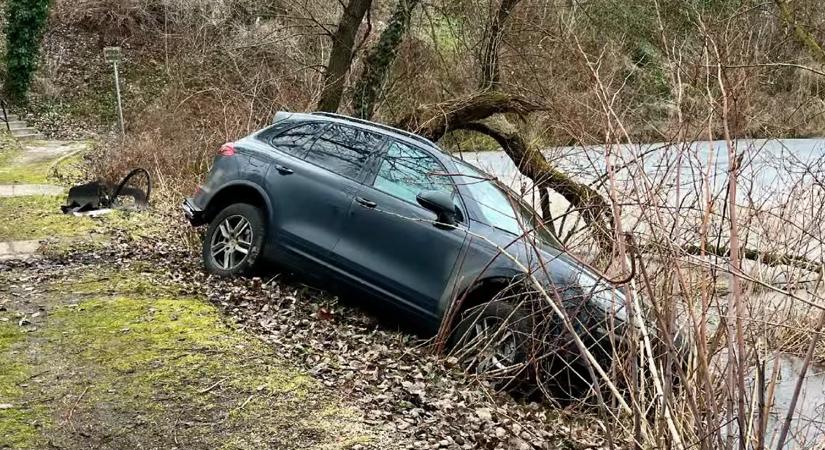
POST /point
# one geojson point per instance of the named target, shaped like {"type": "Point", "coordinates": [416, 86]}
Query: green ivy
{"type": "Point", "coordinates": [25, 22]}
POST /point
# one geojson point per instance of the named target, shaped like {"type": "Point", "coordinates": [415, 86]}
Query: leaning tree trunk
{"type": "Point", "coordinates": [530, 160]}
{"type": "Point", "coordinates": [804, 36]}
{"type": "Point", "coordinates": [340, 58]}
{"type": "Point", "coordinates": [377, 66]}
{"type": "Point", "coordinates": [474, 114]}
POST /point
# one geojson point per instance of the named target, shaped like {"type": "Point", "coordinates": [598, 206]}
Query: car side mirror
{"type": "Point", "coordinates": [442, 204]}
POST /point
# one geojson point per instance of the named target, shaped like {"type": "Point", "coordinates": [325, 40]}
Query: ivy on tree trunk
{"type": "Point", "coordinates": [379, 61]}
{"type": "Point", "coordinates": [26, 20]}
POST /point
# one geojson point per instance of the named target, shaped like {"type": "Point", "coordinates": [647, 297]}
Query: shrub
{"type": "Point", "coordinates": [26, 20]}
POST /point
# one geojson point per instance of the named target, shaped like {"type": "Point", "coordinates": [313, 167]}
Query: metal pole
{"type": "Point", "coordinates": [119, 105]}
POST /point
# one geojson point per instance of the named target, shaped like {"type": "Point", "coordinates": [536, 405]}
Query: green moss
{"type": "Point", "coordinates": [122, 349]}
{"type": "Point", "coordinates": [104, 281]}
{"type": "Point", "coordinates": [37, 217]}
{"type": "Point", "coordinates": [18, 423]}
{"type": "Point", "coordinates": [40, 172]}
{"type": "Point", "coordinates": [166, 341]}
{"type": "Point", "coordinates": [164, 355]}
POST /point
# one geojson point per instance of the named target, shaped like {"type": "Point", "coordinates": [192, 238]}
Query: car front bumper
{"type": "Point", "coordinates": [193, 214]}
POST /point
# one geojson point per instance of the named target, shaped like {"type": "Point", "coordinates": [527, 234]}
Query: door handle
{"type": "Point", "coordinates": [283, 170]}
{"type": "Point", "coordinates": [366, 203]}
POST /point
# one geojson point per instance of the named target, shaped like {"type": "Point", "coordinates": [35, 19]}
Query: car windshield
{"type": "Point", "coordinates": [500, 209]}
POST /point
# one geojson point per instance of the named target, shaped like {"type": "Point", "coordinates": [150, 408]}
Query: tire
{"type": "Point", "coordinates": [234, 241]}
{"type": "Point", "coordinates": [493, 340]}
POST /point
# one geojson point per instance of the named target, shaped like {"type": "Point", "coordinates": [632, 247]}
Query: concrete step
{"type": "Point", "coordinates": [12, 117]}
{"type": "Point", "coordinates": [15, 125]}
{"type": "Point", "coordinates": [22, 131]}
{"type": "Point", "coordinates": [29, 136]}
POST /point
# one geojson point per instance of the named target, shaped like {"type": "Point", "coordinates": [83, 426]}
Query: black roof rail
{"type": "Point", "coordinates": [414, 136]}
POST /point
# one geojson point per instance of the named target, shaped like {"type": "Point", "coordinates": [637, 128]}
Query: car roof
{"type": "Point", "coordinates": [361, 123]}
{"type": "Point", "coordinates": [397, 133]}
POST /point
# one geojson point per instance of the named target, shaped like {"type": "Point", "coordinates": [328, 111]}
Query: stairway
{"type": "Point", "coordinates": [19, 128]}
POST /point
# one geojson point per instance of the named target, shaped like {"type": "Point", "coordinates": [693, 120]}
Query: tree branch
{"type": "Point", "coordinates": [434, 121]}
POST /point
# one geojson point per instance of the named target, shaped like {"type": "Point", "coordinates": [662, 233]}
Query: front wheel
{"type": "Point", "coordinates": [492, 341]}
{"type": "Point", "coordinates": [234, 240]}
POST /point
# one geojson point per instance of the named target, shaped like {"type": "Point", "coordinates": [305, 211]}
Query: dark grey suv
{"type": "Point", "coordinates": [386, 214]}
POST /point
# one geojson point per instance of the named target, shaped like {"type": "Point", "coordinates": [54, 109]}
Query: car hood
{"type": "Point", "coordinates": [558, 271]}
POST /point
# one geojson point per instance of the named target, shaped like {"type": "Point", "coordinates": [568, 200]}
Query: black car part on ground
{"type": "Point", "coordinates": [98, 195]}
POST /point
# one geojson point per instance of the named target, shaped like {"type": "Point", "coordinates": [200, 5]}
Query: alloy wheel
{"type": "Point", "coordinates": [231, 242]}
{"type": "Point", "coordinates": [493, 346]}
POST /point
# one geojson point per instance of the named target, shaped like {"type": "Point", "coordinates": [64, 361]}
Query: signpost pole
{"type": "Point", "coordinates": [114, 56]}
{"type": "Point", "coordinates": [119, 103]}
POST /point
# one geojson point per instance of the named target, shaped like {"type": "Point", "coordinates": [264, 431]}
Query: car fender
{"type": "Point", "coordinates": [470, 281]}
{"type": "Point", "coordinates": [269, 214]}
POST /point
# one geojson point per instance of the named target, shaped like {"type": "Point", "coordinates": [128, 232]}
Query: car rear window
{"type": "Point", "coordinates": [295, 141]}
{"type": "Point", "coordinates": [343, 150]}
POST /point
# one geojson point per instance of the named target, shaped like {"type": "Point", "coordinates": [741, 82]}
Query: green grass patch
{"type": "Point", "coordinates": [9, 149]}
{"type": "Point", "coordinates": [40, 172]}
{"type": "Point", "coordinates": [113, 282]}
{"type": "Point", "coordinates": [18, 424]}
{"type": "Point", "coordinates": [164, 358]}
{"type": "Point", "coordinates": [37, 217]}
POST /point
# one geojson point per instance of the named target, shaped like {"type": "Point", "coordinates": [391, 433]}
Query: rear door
{"type": "Point", "coordinates": [313, 183]}
{"type": "Point", "coordinates": [389, 242]}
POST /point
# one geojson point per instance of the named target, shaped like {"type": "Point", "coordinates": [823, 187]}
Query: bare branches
{"type": "Point", "coordinates": [804, 36]}
{"type": "Point", "coordinates": [490, 71]}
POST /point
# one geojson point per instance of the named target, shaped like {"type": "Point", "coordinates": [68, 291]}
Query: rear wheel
{"type": "Point", "coordinates": [234, 240]}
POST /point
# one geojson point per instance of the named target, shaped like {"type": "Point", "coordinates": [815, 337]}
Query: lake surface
{"type": "Point", "coordinates": [776, 177]}
{"type": "Point", "coordinates": [765, 164]}
{"type": "Point", "coordinates": [771, 170]}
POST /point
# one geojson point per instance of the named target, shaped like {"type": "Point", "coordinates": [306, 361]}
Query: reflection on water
{"type": "Point", "coordinates": [808, 425]}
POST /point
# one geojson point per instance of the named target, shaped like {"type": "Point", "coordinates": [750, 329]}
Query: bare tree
{"type": "Point", "coordinates": [804, 36]}
{"type": "Point", "coordinates": [340, 57]}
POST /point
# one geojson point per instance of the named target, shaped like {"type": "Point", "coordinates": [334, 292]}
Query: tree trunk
{"type": "Point", "coordinates": [532, 164]}
{"type": "Point", "coordinates": [340, 58]}
{"type": "Point", "coordinates": [802, 35]}
{"type": "Point", "coordinates": [434, 121]}
{"type": "Point", "coordinates": [490, 72]}
{"type": "Point", "coordinates": [377, 66]}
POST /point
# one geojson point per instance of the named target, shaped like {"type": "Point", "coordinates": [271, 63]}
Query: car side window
{"type": "Point", "coordinates": [343, 150]}
{"type": "Point", "coordinates": [294, 141]}
{"type": "Point", "coordinates": [407, 171]}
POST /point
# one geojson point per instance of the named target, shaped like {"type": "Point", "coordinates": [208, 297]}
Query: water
{"type": "Point", "coordinates": [808, 423]}
{"type": "Point", "coordinates": [776, 176]}
{"type": "Point", "coordinates": [771, 171]}
{"type": "Point", "coordinates": [765, 163]}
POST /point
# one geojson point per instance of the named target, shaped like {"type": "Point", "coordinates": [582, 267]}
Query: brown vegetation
{"type": "Point", "coordinates": [529, 75]}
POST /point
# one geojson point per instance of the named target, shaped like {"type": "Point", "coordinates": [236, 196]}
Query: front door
{"type": "Point", "coordinates": [390, 243]}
